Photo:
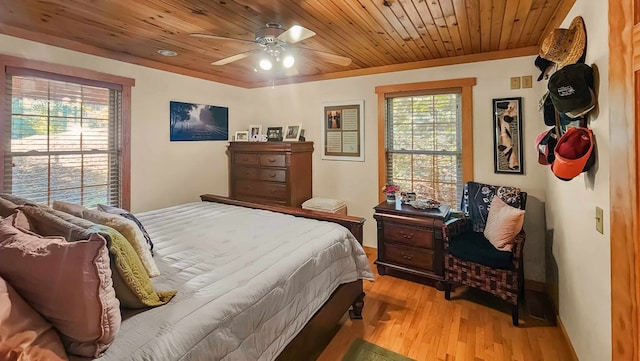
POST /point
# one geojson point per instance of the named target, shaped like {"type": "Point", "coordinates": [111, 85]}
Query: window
{"type": "Point", "coordinates": [63, 138]}
{"type": "Point", "coordinates": [424, 133]}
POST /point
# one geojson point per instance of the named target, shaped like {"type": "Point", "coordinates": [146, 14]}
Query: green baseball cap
{"type": "Point", "coordinates": [570, 89]}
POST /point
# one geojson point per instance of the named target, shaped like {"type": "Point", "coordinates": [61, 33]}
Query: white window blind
{"type": "Point", "coordinates": [424, 145]}
{"type": "Point", "coordinates": [63, 140]}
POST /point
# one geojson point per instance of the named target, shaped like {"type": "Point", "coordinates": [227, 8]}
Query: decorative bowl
{"type": "Point", "coordinates": [425, 204]}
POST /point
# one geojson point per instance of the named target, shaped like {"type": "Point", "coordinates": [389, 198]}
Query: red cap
{"type": "Point", "coordinates": [573, 152]}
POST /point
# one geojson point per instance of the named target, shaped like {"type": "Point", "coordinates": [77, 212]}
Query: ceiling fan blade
{"type": "Point", "coordinates": [295, 34]}
{"type": "Point", "coordinates": [218, 37]}
{"type": "Point", "coordinates": [236, 57]}
{"type": "Point", "coordinates": [329, 57]}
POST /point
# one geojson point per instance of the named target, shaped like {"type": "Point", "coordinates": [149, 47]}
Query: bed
{"type": "Point", "coordinates": [254, 282]}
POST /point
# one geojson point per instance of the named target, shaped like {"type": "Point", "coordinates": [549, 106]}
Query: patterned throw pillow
{"type": "Point", "coordinates": [477, 199]}
{"type": "Point", "coordinates": [123, 213]}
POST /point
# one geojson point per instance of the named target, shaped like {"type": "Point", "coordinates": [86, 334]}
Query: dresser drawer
{"type": "Point", "coordinates": [254, 199]}
{"type": "Point", "coordinates": [246, 159]}
{"type": "Point", "coordinates": [247, 173]}
{"type": "Point", "coordinates": [408, 235]}
{"type": "Point", "coordinates": [272, 160]}
{"type": "Point", "coordinates": [264, 189]}
{"type": "Point", "coordinates": [409, 256]}
{"type": "Point", "coordinates": [273, 175]}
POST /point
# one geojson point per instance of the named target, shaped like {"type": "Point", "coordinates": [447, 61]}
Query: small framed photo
{"type": "Point", "coordinates": [274, 134]}
{"type": "Point", "coordinates": [292, 134]}
{"type": "Point", "coordinates": [242, 136]}
{"type": "Point", "coordinates": [254, 132]}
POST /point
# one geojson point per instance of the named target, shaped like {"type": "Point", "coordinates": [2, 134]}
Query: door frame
{"type": "Point", "coordinates": [624, 93]}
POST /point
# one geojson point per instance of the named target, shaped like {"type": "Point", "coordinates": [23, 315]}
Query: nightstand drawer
{"type": "Point", "coordinates": [264, 189]}
{"type": "Point", "coordinates": [273, 175]}
{"type": "Point", "coordinates": [246, 159]}
{"type": "Point", "coordinates": [409, 256]}
{"type": "Point", "coordinates": [272, 160]}
{"type": "Point", "coordinates": [408, 235]}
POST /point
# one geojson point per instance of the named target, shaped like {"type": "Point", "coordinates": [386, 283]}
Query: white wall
{"type": "Point", "coordinates": [163, 173]}
{"type": "Point", "coordinates": [583, 255]}
{"type": "Point", "coordinates": [356, 182]}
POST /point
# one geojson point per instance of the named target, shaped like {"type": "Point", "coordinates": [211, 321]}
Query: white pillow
{"type": "Point", "coordinates": [130, 231]}
{"type": "Point", "coordinates": [504, 222]}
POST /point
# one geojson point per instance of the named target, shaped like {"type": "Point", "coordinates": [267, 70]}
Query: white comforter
{"type": "Point", "coordinates": [247, 282]}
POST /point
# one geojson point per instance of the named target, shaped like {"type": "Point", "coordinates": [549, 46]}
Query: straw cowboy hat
{"type": "Point", "coordinates": [565, 46]}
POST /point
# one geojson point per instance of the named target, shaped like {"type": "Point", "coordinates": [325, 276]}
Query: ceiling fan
{"type": "Point", "coordinates": [275, 45]}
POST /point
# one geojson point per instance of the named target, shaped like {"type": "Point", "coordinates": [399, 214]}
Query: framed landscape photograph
{"type": "Point", "coordinates": [292, 134]}
{"type": "Point", "coordinates": [274, 134]}
{"type": "Point", "coordinates": [507, 139]}
{"type": "Point", "coordinates": [194, 122]}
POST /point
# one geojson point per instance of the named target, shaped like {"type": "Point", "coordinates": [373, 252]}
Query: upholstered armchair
{"type": "Point", "coordinates": [473, 260]}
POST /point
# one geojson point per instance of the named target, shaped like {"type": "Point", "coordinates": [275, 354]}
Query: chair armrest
{"type": "Point", "coordinates": [517, 249]}
{"type": "Point", "coordinates": [452, 228]}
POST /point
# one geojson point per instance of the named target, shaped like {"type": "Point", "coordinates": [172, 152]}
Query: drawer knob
{"type": "Point", "coordinates": [405, 235]}
{"type": "Point", "coordinates": [271, 160]}
{"type": "Point", "coordinates": [407, 257]}
{"type": "Point", "coordinates": [272, 175]}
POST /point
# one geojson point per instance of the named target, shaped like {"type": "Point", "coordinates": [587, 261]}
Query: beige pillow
{"type": "Point", "coordinates": [71, 208]}
{"type": "Point", "coordinates": [46, 224]}
{"type": "Point", "coordinates": [69, 283]}
{"type": "Point", "coordinates": [504, 222]}
{"type": "Point", "coordinates": [24, 334]}
{"type": "Point", "coordinates": [131, 232]}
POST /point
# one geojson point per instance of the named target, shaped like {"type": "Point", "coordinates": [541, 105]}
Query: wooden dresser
{"type": "Point", "coordinates": [270, 172]}
{"type": "Point", "coordinates": [410, 242]}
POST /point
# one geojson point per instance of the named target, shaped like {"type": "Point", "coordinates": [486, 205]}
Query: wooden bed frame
{"type": "Point", "coordinates": [318, 332]}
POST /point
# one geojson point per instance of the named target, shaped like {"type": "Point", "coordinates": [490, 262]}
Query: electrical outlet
{"type": "Point", "coordinates": [527, 81]}
{"type": "Point", "coordinates": [515, 82]}
{"type": "Point", "coordinates": [599, 220]}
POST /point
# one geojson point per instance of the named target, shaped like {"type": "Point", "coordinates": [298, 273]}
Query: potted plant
{"type": "Point", "coordinates": [390, 191]}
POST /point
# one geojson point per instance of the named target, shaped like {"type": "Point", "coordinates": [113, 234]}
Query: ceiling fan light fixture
{"type": "Point", "coordinates": [265, 64]}
{"type": "Point", "coordinates": [288, 61]}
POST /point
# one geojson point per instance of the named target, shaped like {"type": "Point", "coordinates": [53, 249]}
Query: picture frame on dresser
{"type": "Point", "coordinates": [274, 134]}
{"type": "Point", "coordinates": [242, 136]}
{"type": "Point", "coordinates": [292, 134]}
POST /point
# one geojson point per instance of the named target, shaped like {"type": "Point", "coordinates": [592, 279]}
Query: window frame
{"type": "Point", "coordinates": [462, 85]}
{"type": "Point", "coordinates": [69, 73]}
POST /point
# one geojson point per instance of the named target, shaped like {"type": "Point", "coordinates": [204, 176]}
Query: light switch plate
{"type": "Point", "coordinates": [515, 82]}
{"type": "Point", "coordinates": [527, 81]}
{"type": "Point", "coordinates": [599, 220]}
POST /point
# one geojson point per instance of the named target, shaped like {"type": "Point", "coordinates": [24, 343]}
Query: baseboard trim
{"type": "Point", "coordinates": [566, 338]}
{"type": "Point", "coordinates": [535, 286]}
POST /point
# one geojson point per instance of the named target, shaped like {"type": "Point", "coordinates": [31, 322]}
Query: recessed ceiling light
{"type": "Point", "coordinates": [167, 52]}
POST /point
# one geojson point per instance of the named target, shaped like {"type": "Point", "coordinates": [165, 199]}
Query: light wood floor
{"type": "Point", "coordinates": [415, 320]}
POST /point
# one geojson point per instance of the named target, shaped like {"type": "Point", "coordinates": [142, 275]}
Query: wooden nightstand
{"type": "Point", "coordinates": [410, 242]}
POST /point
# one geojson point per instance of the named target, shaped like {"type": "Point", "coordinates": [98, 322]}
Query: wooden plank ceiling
{"type": "Point", "coordinates": [379, 36]}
